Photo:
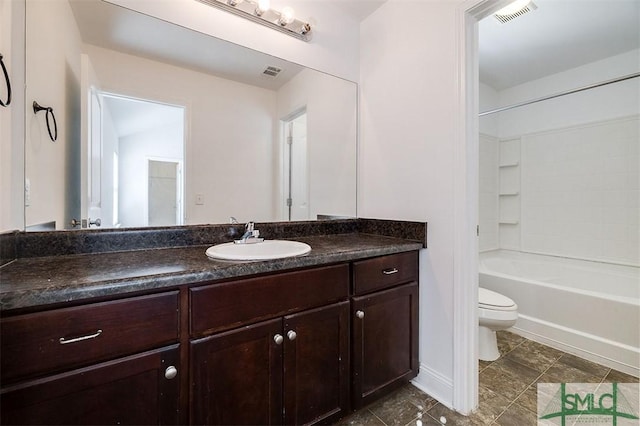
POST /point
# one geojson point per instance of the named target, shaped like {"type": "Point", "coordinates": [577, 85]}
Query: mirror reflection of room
{"type": "Point", "coordinates": [228, 152]}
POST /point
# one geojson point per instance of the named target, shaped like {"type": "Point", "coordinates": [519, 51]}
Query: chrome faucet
{"type": "Point", "coordinates": [250, 236]}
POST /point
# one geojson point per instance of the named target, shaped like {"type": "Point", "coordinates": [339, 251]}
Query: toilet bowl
{"type": "Point", "coordinates": [495, 312]}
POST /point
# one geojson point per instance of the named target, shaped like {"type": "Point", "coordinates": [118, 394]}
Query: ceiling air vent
{"type": "Point", "coordinates": [510, 13]}
{"type": "Point", "coordinates": [272, 71]}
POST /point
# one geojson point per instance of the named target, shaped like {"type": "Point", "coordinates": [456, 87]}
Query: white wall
{"type": "Point", "coordinates": [488, 193]}
{"type": "Point", "coordinates": [11, 117]}
{"type": "Point", "coordinates": [109, 146]}
{"type": "Point", "coordinates": [331, 128]}
{"type": "Point", "coordinates": [220, 147]}
{"type": "Point", "coordinates": [488, 101]}
{"type": "Point", "coordinates": [335, 35]}
{"type": "Point", "coordinates": [409, 107]}
{"type": "Point", "coordinates": [134, 153]}
{"type": "Point", "coordinates": [612, 101]}
{"type": "Point", "coordinates": [57, 52]}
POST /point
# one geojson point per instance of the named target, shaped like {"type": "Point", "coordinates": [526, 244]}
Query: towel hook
{"type": "Point", "coordinates": [6, 79]}
{"type": "Point", "coordinates": [49, 110]}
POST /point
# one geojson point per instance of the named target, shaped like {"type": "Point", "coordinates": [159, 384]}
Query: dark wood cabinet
{"type": "Point", "coordinates": [114, 362]}
{"type": "Point", "coordinates": [236, 376]}
{"type": "Point", "coordinates": [316, 365]}
{"type": "Point", "coordinates": [61, 339]}
{"type": "Point", "coordinates": [385, 339]}
{"type": "Point", "coordinates": [292, 369]}
{"type": "Point", "coordinates": [384, 326]}
{"type": "Point", "coordinates": [134, 390]}
{"type": "Point", "coordinates": [296, 347]}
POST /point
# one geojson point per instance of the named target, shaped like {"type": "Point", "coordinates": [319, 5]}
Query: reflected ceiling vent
{"type": "Point", "coordinates": [272, 71]}
{"type": "Point", "coordinates": [514, 10]}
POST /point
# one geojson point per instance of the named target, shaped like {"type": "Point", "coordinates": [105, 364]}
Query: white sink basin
{"type": "Point", "coordinates": [268, 249]}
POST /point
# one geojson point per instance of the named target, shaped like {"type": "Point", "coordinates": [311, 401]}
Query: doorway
{"type": "Point", "coordinates": [164, 192]}
{"type": "Point", "coordinates": [296, 178]}
{"type": "Point", "coordinates": [142, 162]}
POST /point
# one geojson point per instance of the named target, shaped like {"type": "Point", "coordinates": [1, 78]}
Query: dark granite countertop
{"type": "Point", "coordinates": [40, 281]}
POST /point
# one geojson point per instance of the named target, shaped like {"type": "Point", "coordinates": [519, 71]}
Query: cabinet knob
{"type": "Point", "coordinates": [360, 314]}
{"type": "Point", "coordinates": [278, 339]}
{"type": "Point", "coordinates": [292, 335]}
{"type": "Point", "coordinates": [170, 372]}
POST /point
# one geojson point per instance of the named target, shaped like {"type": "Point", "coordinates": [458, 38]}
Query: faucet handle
{"type": "Point", "coordinates": [233, 220]}
{"type": "Point", "coordinates": [249, 226]}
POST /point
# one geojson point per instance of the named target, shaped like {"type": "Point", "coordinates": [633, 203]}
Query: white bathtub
{"type": "Point", "coordinates": [591, 309]}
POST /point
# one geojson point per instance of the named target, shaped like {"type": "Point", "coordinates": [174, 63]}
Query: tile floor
{"type": "Point", "coordinates": [507, 393]}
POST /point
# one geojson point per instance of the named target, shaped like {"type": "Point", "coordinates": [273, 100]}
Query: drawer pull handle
{"type": "Point", "coordinates": [360, 314]}
{"type": "Point", "coordinates": [292, 335]}
{"type": "Point", "coordinates": [390, 271]}
{"type": "Point", "coordinates": [278, 339]}
{"type": "Point", "coordinates": [64, 341]}
{"type": "Point", "coordinates": [171, 372]}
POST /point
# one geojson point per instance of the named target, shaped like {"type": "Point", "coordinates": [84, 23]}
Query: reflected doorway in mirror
{"type": "Point", "coordinates": [296, 200]}
{"type": "Point", "coordinates": [147, 185]}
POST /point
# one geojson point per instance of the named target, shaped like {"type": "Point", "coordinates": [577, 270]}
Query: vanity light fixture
{"type": "Point", "coordinates": [259, 11]}
{"type": "Point", "coordinates": [262, 7]}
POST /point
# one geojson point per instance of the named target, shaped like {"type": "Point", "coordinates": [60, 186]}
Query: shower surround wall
{"type": "Point", "coordinates": [577, 178]}
{"type": "Point", "coordinates": [580, 191]}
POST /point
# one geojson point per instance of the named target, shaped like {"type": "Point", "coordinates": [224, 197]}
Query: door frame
{"type": "Point", "coordinates": [466, 163]}
{"type": "Point", "coordinates": [185, 106]}
{"type": "Point", "coordinates": [286, 168]}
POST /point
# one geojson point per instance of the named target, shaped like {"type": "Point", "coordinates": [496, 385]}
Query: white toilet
{"type": "Point", "coordinates": [495, 312]}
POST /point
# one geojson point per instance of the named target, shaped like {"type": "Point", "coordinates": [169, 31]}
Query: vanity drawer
{"type": "Point", "coordinates": [228, 305]}
{"type": "Point", "coordinates": [384, 272]}
{"type": "Point", "coordinates": [51, 341]}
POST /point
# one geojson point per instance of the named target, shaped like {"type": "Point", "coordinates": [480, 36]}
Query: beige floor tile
{"type": "Point", "coordinates": [562, 373]}
{"type": "Point", "coordinates": [529, 398]}
{"type": "Point", "coordinates": [619, 377]}
{"type": "Point", "coordinates": [517, 415]}
{"type": "Point", "coordinates": [508, 341]}
{"type": "Point", "coordinates": [361, 418]}
{"type": "Point", "coordinates": [508, 378]}
{"type": "Point", "coordinates": [581, 364]}
{"type": "Point", "coordinates": [534, 355]}
{"type": "Point", "coordinates": [397, 409]}
{"type": "Point", "coordinates": [490, 405]}
{"type": "Point", "coordinates": [452, 417]}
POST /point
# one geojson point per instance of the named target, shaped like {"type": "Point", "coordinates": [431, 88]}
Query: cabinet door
{"type": "Point", "coordinates": [316, 364]}
{"type": "Point", "coordinates": [236, 376]}
{"type": "Point", "coordinates": [385, 339]}
{"type": "Point", "coordinates": [132, 390]}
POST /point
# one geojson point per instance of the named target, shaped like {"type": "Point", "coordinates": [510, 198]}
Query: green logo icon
{"type": "Point", "coordinates": [604, 404]}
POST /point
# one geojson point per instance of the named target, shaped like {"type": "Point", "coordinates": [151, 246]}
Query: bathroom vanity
{"type": "Point", "coordinates": [291, 341]}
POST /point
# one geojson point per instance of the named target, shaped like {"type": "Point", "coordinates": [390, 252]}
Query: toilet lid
{"type": "Point", "coordinates": [491, 299]}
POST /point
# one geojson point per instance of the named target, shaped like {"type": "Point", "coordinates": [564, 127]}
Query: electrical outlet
{"type": "Point", "coordinates": [199, 200]}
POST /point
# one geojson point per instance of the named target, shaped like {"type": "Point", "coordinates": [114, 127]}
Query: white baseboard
{"type": "Point", "coordinates": [593, 348]}
{"type": "Point", "coordinates": [435, 385]}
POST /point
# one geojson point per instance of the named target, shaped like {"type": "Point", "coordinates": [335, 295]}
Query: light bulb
{"type": "Point", "coordinates": [513, 7]}
{"type": "Point", "coordinates": [286, 16]}
{"type": "Point", "coordinates": [263, 6]}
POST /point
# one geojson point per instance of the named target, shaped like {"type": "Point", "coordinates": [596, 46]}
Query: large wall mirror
{"type": "Point", "coordinates": [160, 125]}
